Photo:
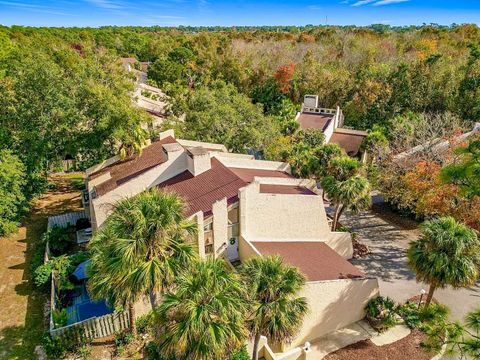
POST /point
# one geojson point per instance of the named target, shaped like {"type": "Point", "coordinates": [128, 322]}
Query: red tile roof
{"type": "Point", "coordinates": [123, 171]}
{"type": "Point", "coordinates": [202, 191]}
{"type": "Point", "coordinates": [316, 260]}
{"type": "Point", "coordinates": [314, 121]}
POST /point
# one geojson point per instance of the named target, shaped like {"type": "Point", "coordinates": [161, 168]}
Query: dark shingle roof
{"type": "Point", "coordinates": [314, 121]}
{"type": "Point", "coordinates": [123, 171]}
{"type": "Point", "coordinates": [202, 191]}
{"type": "Point", "coordinates": [349, 140]}
{"type": "Point", "coordinates": [316, 260]}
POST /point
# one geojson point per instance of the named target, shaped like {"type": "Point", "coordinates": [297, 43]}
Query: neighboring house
{"type": "Point", "coordinates": [244, 208]}
{"type": "Point", "coordinates": [330, 121]}
{"type": "Point", "coordinates": [152, 100]}
{"type": "Point", "coordinates": [140, 68]}
{"type": "Point", "coordinates": [146, 97]}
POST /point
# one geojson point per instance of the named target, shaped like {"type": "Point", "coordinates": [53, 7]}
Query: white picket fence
{"type": "Point", "coordinates": [94, 328]}
{"type": "Point", "coordinates": [67, 219]}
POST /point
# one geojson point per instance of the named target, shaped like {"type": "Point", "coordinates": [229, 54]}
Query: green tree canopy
{"type": "Point", "coordinates": [273, 288]}
{"type": "Point", "coordinates": [222, 115]}
{"type": "Point", "coordinates": [203, 316]}
{"type": "Point", "coordinates": [447, 253]}
{"type": "Point", "coordinates": [140, 249]}
{"type": "Point", "coordinates": [12, 200]}
{"type": "Point", "coordinates": [466, 172]}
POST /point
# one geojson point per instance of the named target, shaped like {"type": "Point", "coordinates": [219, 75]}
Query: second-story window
{"type": "Point", "coordinates": [208, 237]}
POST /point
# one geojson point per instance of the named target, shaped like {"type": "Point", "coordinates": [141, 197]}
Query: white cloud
{"type": "Point", "coordinates": [388, 2]}
{"type": "Point", "coordinates": [107, 4]}
{"type": "Point", "coordinates": [363, 2]}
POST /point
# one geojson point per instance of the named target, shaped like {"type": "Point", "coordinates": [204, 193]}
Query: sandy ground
{"type": "Point", "coordinates": [21, 306]}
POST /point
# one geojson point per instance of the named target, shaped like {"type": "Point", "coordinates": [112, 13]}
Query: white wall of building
{"type": "Point", "coordinates": [266, 217]}
{"type": "Point", "coordinates": [332, 306]}
{"type": "Point", "coordinates": [102, 205]}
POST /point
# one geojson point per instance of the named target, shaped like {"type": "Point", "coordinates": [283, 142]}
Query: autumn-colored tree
{"type": "Point", "coordinates": [284, 76]}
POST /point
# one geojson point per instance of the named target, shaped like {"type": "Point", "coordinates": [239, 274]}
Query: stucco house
{"type": "Point", "coordinates": [244, 208]}
{"type": "Point", "coordinates": [330, 121]}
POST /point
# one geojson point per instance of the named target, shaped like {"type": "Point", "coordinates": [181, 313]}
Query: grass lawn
{"type": "Point", "coordinates": [22, 307]}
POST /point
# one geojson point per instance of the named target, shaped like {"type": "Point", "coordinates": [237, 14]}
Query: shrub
{"type": "Point", "coordinates": [381, 313]}
{"type": "Point", "coordinates": [241, 354]}
{"type": "Point", "coordinates": [58, 347]}
{"type": "Point", "coordinates": [78, 183]}
{"type": "Point", "coordinates": [143, 323]}
{"type": "Point", "coordinates": [42, 275]}
{"type": "Point", "coordinates": [58, 240]}
{"type": "Point", "coordinates": [152, 353]}
{"type": "Point", "coordinates": [409, 313]}
{"type": "Point", "coordinates": [124, 338]}
{"type": "Point", "coordinates": [60, 317]}
{"type": "Point", "coordinates": [62, 267]}
{"type": "Point", "coordinates": [84, 351]}
{"type": "Point", "coordinates": [421, 318]}
{"type": "Point", "coordinates": [54, 347]}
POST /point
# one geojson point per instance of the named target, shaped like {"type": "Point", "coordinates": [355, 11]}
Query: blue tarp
{"type": "Point", "coordinates": [81, 271]}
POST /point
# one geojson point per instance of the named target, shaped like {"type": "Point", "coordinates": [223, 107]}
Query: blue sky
{"type": "Point", "coordinates": [243, 12]}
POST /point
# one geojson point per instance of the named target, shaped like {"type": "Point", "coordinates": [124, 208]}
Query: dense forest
{"type": "Point", "coordinates": [63, 91]}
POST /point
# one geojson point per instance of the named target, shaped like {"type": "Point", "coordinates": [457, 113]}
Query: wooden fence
{"type": "Point", "coordinates": [67, 219]}
{"type": "Point", "coordinates": [94, 328]}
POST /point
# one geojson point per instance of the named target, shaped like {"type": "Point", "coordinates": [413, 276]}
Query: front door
{"type": "Point", "coordinates": [232, 249]}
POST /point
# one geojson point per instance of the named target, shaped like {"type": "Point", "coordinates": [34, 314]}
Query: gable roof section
{"type": "Point", "coordinates": [314, 121]}
{"type": "Point", "coordinates": [316, 260]}
{"type": "Point", "coordinates": [125, 170]}
{"type": "Point", "coordinates": [202, 191]}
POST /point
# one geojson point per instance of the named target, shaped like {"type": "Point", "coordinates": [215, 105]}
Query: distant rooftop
{"type": "Point", "coordinates": [314, 121]}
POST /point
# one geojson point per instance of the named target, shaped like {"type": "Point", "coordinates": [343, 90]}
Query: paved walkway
{"type": "Point", "coordinates": [388, 243]}
{"type": "Point", "coordinates": [339, 339]}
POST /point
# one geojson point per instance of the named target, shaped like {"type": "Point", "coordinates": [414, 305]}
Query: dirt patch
{"type": "Point", "coordinates": [406, 348]}
{"type": "Point", "coordinates": [22, 306]}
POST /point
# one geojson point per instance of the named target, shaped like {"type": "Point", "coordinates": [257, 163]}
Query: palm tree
{"type": "Point", "coordinates": [352, 194]}
{"type": "Point", "coordinates": [141, 247]}
{"type": "Point", "coordinates": [447, 253]}
{"type": "Point", "coordinates": [203, 318]}
{"type": "Point", "coordinates": [277, 313]}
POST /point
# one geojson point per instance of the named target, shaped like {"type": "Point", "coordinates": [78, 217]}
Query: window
{"type": "Point", "coordinates": [209, 249]}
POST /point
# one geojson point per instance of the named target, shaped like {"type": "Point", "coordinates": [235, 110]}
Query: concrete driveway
{"type": "Point", "coordinates": [388, 242]}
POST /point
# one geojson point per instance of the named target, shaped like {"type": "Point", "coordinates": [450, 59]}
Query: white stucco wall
{"type": "Point", "coordinates": [278, 217]}
{"type": "Point", "coordinates": [341, 242]}
{"type": "Point", "coordinates": [333, 305]}
{"type": "Point", "coordinates": [329, 130]}
{"type": "Point", "coordinates": [246, 250]}
{"type": "Point", "coordinates": [102, 205]}
{"type": "Point", "coordinates": [220, 226]}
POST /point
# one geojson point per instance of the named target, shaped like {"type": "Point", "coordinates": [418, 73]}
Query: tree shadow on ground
{"type": "Point", "coordinates": [22, 305]}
